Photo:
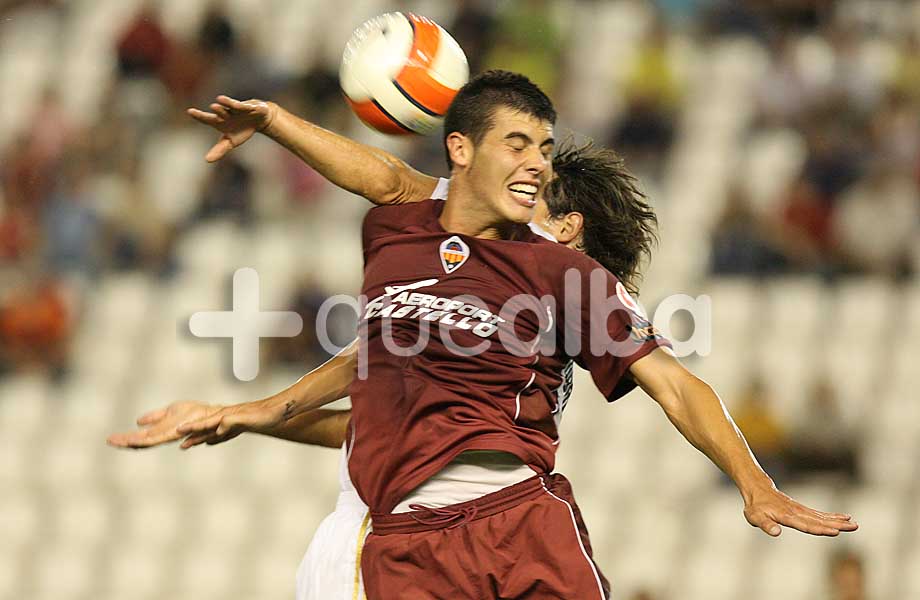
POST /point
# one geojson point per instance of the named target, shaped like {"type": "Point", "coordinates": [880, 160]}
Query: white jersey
{"type": "Point", "coordinates": [331, 568]}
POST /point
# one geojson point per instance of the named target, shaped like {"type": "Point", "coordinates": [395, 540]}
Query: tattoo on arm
{"type": "Point", "coordinates": [288, 411]}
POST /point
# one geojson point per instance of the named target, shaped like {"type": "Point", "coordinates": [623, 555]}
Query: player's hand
{"type": "Point", "coordinates": [228, 422]}
{"type": "Point", "coordinates": [771, 510]}
{"type": "Point", "coordinates": [236, 121]}
{"type": "Point", "coordinates": [159, 426]}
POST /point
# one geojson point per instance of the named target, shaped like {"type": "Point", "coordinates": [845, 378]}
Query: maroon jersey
{"type": "Point", "coordinates": [452, 365]}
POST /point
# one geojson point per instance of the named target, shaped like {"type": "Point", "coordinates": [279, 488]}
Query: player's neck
{"type": "Point", "coordinates": [464, 214]}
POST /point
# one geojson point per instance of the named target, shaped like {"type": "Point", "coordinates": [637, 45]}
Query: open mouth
{"type": "Point", "coordinates": [524, 193]}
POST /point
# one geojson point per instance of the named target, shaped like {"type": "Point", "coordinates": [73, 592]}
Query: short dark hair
{"type": "Point", "coordinates": [620, 227]}
{"type": "Point", "coordinates": [472, 110]}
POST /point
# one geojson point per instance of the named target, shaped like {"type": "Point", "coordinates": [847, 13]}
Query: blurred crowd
{"type": "Point", "coordinates": [842, 93]}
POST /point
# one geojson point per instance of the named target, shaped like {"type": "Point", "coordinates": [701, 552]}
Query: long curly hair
{"type": "Point", "coordinates": [620, 228]}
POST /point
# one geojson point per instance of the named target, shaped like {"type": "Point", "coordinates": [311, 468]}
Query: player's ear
{"type": "Point", "coordinates": [570, 227]}
{"type": "Point", "coordinates": [460, 149]}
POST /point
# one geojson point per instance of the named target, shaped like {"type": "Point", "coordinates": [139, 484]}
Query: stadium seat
{"type": "Point", "coordinates": [225, 520]}
{"type": "Point", "coordinates": [11, 572]}
{"type": "Point", "coordinates": [21, 519]}
{"type": "Point", "coordinates": [67, 460]}
{"type": "Point", "coordinates": [206, 570]}
{"type": "Point", "coordinates": [156, 520]}
{"type": "Point", "coordinates": [82, 518]}
{"type": "Point", "coordinates": [710, 572]}
{"type": "Point", "coordinates": [136, 570]}
{"type": "Point", "coordinates": [24, 406]}
{"type": "Point", "coordinates": [65, 570]}
{"type": "Point", "coordinates": [269, 573]}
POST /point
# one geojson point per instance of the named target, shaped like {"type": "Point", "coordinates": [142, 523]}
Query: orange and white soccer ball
{"type": "Point", "coordinates": [400, 73]}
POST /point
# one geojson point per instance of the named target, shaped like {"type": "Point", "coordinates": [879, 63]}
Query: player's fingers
{"type": "Point", "coordinates": [119, 440]}
{"type": "Point", "coordinates": [205, 425]}
{"type": "Point", "coordinates": [194, 440]}
{"type": "Point", "coordinates": [232, 103]}
{"type": "Point", "coordinates": [220, 111]}
{"type": "Point", "coordinates": [138, 439]}
{"type": "Point", "coordinates": [764, 522]}
{"type": "Point", "coordinates": [219, 150]}
{"type": "Point", "coordinates": [204, 117]}
{"type": "Point", "coordinates": [151, 417]}
{"type": "Point", "coordinates": [229, 424]}
{"type": "Point", "coordinates": [803, 520]}
{"type": "Point", "coordinates": [809, 525]}
{"type": "Point", "coordinates": [833, 518]}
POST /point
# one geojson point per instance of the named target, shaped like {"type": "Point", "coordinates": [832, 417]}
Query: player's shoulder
{"type": "Point", "coordinates": [395, 218]}
{"type": "Point", "coordinates": [555, 257]}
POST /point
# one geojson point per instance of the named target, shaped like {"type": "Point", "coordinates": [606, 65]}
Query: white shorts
{"type": "Point", "coordinates": [330, 570]}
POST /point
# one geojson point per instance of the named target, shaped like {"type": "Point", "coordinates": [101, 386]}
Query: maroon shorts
{"type": "Point", "coordinates": [524, 541]}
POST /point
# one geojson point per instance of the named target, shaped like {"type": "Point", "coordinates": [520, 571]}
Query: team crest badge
{"type": "Point", "coordinates": [454, 253]}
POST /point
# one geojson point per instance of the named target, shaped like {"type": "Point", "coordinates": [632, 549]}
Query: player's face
{"type": "Point", "coordinates": [512, 164]}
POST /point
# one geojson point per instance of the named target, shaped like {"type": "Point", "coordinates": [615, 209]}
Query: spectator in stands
{"type": "Point", "coordinates": [824, 443]}
{"type": "Point", "coordinates": [907, 74]}
{"type": "Point", "coordinates": [652, 92]}
{"type": "Point", "coordinates": [35, 326]}
{"type": "Point", "coordinates": [474, 29]}
{"type": "Point", "coordinates": [144, 47]}
{"type": "Point", "coordinates": [18, 232]}
{"type": "Point", "coordinates": [895, 131]}
{"type": "Point", "coordinates": [805, 227]}
{"type": "Point", "coordinates": [228, 192]}
{"type": "Point", "coordinates": [305, 350]}
{"type": "Point", "coordinates": [847, 576]}
{"type": "Point", "coordinates": [725, 17]}
{"type": "Point", "coordinates": [137, 235]}
{"type": "Point", "coordinates": [527, 40]}
{"type": "Point", "coordinates": [784, 92]}
{"type": "Point", "coordinates": [741, 244]}
{"type": "Point", "coordinates": [71, 225]}
{"type": "Point", "coordinates": [877, 220]}
{"type": "Point", "coordinates": [217, 36]}
{"type": "Point", "coordinates": [765, 434]}
{"type": "Point", "coordinates": [834, 154]}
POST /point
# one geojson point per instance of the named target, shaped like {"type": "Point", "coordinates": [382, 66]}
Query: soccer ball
{"type": "Point", "coordinates": [400, 72]}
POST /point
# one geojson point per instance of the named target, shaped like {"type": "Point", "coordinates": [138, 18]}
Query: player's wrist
{"type": "Point", "coordinates": [754, 486]}
{"type": "Point", "coordinates": [271, 116]}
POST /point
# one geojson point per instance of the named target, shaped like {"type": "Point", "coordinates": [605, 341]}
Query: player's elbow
{"type": "Point", "coordinates": [681, 389]}
{"type": "Point", "coordinates": [392, 185]}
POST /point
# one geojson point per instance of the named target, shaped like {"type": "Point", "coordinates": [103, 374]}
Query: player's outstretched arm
{"type": "Point", "coordinates": [698, 413]}
{"type": "Point", "coordinates": [320, 427]}
{"type": "Point", "coordinates": [289, 415]}
{"type": "Point", "coordinates": [369, 172]}
{"type": "Point", "coordinates": [274, 415]}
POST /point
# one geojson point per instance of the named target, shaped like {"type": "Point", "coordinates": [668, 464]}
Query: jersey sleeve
{"type": "Point", "coordinates": [388, 220]}
{"type": "Point", "coordinates": [603, 328]}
